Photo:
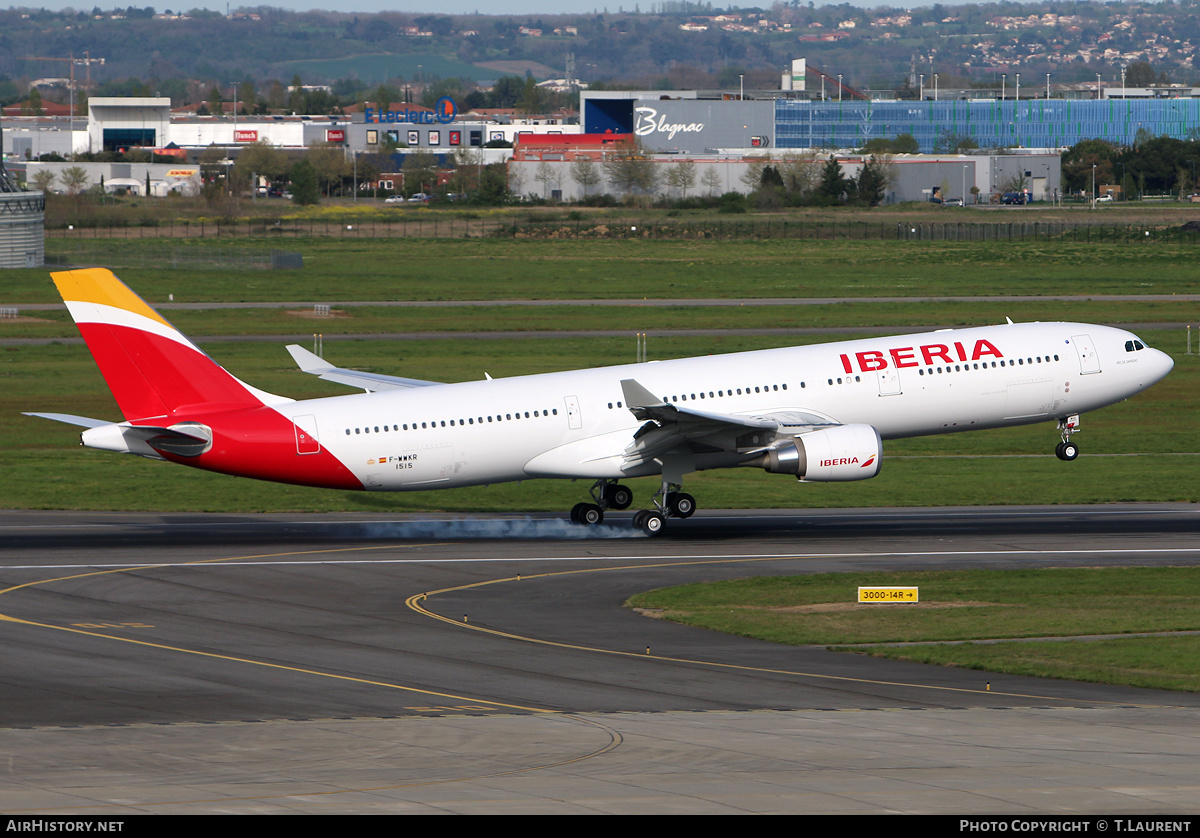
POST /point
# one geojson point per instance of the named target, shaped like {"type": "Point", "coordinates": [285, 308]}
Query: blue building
{"type": "Point", "coordinates": [991, 123]}
{"type": "Point", "coordinates": [704, 121]}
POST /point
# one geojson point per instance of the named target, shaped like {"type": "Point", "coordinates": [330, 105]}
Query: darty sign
{"type": "Point", "coordinates": [649, 122]}
{"type": "Point", "coordinates": [444, 111]}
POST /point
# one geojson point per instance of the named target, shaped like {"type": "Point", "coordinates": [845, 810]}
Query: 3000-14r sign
{"type": "Point", "coordinates": [888, 595]}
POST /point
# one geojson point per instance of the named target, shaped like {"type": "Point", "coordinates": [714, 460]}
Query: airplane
{"type": "Point", "coordinates": [818, 413]}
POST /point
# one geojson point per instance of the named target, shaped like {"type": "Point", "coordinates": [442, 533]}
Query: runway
{"type": "Point", "coordinates": [350, 663]}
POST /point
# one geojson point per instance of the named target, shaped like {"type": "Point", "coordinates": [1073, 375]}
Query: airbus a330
{"type": "Point", "coordinates": [818, 413]}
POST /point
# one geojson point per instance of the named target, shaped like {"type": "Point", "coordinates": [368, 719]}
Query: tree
{"type": "Point", "coordinates": [681, 176]}
{"type": "Point", "coordinates": [833, 184]}
{"type": "Point", "coordinates": [752, 177]}
{"type": "Point", "coordinates": [533, 98]}
{"type": "Point", "coordinates": [711, 180]}
{"type": "Point", "coordinates": [305, 191]}
{"type": "Point", "coordinates": [329, 162]}
{"type": "Point", "coordinates": [872, 182]}
{"type": "Point", "coordinates": [630, 171]}
{"type": "Point", "coordinates": [420, 171]}
{"type": "Point", "coordinates": [1078, 160]}
{"type": "Point", "coordinates": [544, 174]}
{"type": "Point", "coordinates": [586, 173]}
{"type": "Point", "coordinates": [35, 102]}
{"type": "Point", "coordinates": [800, 172]}
{"type": "Point", "coordinates": [1141, 74]}
{"type": "Point", "coordinates": [43, 179]}
{"type": "Point", "coordinates": [74, 178]}
{"type": "Point", "coordinates": [258, 158]}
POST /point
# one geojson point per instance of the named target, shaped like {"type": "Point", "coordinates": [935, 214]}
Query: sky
{"type": "Point", "coordinates": [450, 7]}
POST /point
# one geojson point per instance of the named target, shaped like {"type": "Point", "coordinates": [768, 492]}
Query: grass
{"type": "Point", "coordinates": [972, 605]}
{"type": "Point", "coordinates": [474, 269]}
{"type": "Point", "coordinates": [631, 318]}
{"type": "Point", "coordinates": [46, 469]}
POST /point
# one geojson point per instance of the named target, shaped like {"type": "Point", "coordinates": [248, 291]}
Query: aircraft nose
{"type": "Point", "coordinates": [1163, 364]}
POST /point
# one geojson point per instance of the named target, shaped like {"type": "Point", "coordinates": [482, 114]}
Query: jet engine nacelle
{"type": "Point", "coordinates": [843, 453]}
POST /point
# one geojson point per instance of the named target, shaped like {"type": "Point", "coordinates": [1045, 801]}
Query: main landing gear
{"type": "Point", "coordinates": [1067, 450]}
{"type": "Point", "coordinates": [670, 502]}
{"type": "Point", "coordinates": [606, 494]}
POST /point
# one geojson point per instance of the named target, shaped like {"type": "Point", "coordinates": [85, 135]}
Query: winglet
{"type": "Point", "coordinates": [307, 361]}
{"type": "Point", "coordinates": [638, 396]}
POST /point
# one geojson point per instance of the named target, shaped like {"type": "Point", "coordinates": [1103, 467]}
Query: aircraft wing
{"type": "Point", "coordinates": [671, 429]}
{"type": "Point", "coordinates": [368, 381]}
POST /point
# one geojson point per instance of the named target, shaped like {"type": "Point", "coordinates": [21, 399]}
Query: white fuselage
{"type": "Point", "coordinates": [575, 424]}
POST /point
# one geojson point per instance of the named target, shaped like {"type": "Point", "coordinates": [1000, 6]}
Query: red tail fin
{"type": "Point", "coordinates": [151, 368]}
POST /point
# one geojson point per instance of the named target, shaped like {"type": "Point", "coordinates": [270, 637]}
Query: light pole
{"type": "Point", "coordinates": [1093, 186]}
{"type": "Point", "coordinates": [935, 86]}
{"type": "Point", "coordinates": [1018, 88]}
{"type": "Point", "coordinates": [839, 87]}
{"type": "Point", "coordinates": [741, 87]}
{"type": "Point", "coordinates": [1047, 85]}
{"type": "Point", "coordinates": [922, 87]}
{"type": "Point", "coordinates": [1003, 86]}
{"type": "Point", "coordinates": [1099, 89]}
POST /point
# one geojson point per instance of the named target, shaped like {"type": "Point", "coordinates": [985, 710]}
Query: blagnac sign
{"type": "Point", "coordinates": [649, 122]}
{"type": "Point", "coordinates": [444, 111]}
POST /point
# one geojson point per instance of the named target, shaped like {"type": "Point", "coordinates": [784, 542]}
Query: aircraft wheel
{"type": "Point", "coordinates": [1067, 451]}
{"type": "Point", "coordinates": [651, 522]}
{"type": "Point", "coordinates": [576, 513]}
{"type": "Point", "coordinates": [618, 496]}
{"type": "Point", "coordinates": [638, 518]}
{"type": "Point", "coordinates": [590, 514]}
{"type": "Point", "coordinates": [681, 504]}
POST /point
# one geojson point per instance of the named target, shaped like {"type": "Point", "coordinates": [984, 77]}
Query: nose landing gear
{"type": "Point", "coordinates": [1067, 450]}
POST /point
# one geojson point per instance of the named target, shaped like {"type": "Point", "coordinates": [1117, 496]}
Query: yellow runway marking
{"type": "Point", "coordinates": [414, 602]}
{"type": "Point", "coordinates": [236, 659]}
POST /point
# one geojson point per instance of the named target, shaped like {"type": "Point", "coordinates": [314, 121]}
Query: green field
{"type": "Point", "coordinates": [504, 269]}
{"type": "Point", "coordinates": [1124, 446]}
{"type": "Point", "coordinates": [975, 605]}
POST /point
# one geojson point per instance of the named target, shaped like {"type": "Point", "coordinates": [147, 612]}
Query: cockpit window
{"type": "Point", "coordinates": [1134, 346]}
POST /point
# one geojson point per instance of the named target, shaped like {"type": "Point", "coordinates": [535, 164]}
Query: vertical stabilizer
{"type": "Point", "coordinates": [153, 370]}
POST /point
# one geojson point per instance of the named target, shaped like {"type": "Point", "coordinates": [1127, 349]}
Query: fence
{"type": "Point", "coordinates": [165, 253]}
{"type": "Point", "coordinates": [631, 227]}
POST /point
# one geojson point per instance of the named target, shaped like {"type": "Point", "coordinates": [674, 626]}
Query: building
{"type": "Point", "coordinates": [699, 122]}
{"type": "Point", "coordinates": [544, 166]}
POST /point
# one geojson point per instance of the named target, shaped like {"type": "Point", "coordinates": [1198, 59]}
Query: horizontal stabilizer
{"type": "Point", "coordinates": [70, 419]}
{"type": "Point", "coordinates": [368, 381]}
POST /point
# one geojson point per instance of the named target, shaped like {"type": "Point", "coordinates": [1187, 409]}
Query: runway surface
{"type": "Point", "coordinates": [349, 663]}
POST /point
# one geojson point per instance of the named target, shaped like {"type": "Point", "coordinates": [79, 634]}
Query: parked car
{"type": "Point", "coordinates": [394, 199]}
{"type": "Point", "coordinates": [419, 198]}
{"type": "Point", "coordinates": [1104, 199]}
{"type": "Point", "coordinates": [1015, 198]}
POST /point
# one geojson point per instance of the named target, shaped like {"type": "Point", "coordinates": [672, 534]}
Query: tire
{"type": "Point", "coordinates": [653, 524]}
{"type": "Point", "coordinates": [577, 513]}
{"type": "Point", "coordinates": [618, 497]}
{"type": "Point", "coordinates": [1069, 451]}
{"type": "Point", "coordinates": [681, 504]}
{"type": "Point", "coordinates": [591, 514]}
